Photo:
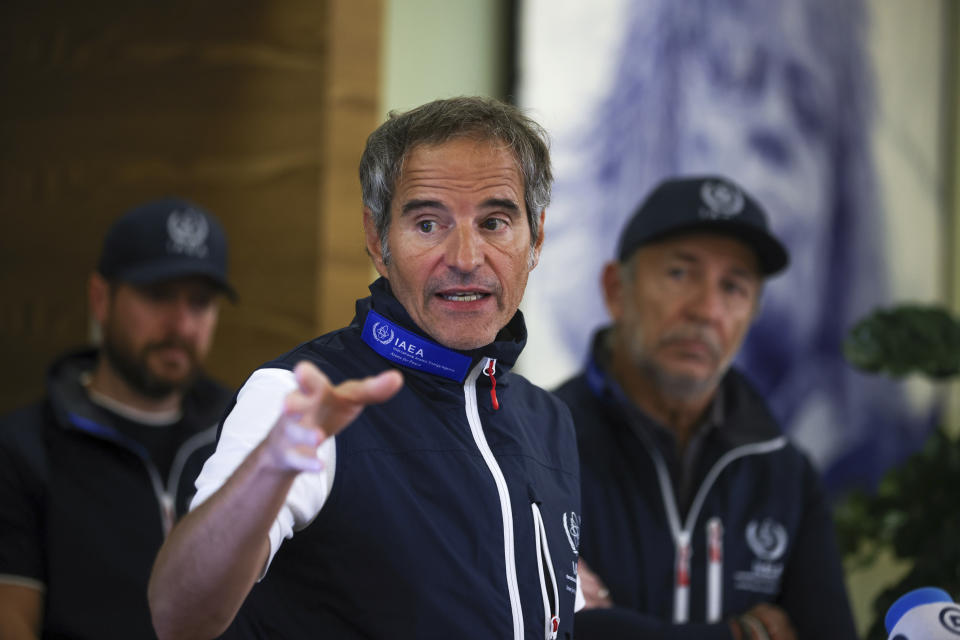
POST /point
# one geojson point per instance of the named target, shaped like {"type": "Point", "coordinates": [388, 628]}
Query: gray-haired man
{"type": "Point", "coordinates": [423, 489]}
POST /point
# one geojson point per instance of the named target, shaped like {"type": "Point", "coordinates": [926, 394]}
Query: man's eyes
{"type": "Point", "coordinates": [157, 294]}
{"type": "Point", "coordinates": [489, 224]}
{"type": "Point", "coordinates": [493, 224]}
{"type": "Point", "coordinates": [734, 287]}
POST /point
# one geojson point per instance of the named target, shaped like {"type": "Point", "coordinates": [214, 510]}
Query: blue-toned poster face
{"type": "Point", "coordinates": [775, 94]}
{"type": "Point", "coordinates": [760, 103]}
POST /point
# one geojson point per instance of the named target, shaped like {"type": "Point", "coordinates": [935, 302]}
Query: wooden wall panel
{"type": "Point", "coordinates": [256, 110]}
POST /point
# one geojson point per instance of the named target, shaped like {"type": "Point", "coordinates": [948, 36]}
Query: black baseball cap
{"type": "Point", "coordinates": [698, 204]}
{"type": "Point", "coordinates": [166, 239]}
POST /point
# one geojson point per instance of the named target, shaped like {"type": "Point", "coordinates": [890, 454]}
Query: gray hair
{"type": "Point", "coordinates": [440, 121]}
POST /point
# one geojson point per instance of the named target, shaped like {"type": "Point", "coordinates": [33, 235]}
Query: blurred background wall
{"type": "Point", "coordinates": [255, 110]}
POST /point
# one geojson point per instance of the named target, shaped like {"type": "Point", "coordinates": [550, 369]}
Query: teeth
{"type": "Point", "coordinates": [463, 297]}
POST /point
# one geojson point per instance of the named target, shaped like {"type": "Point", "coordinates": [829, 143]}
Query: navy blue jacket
{"type": "Point", "coordinates": [755, 493]}
{"type": "Point", "coordinates": [84, 510]}
{"type": "Point", "coordinates": [447, 518]}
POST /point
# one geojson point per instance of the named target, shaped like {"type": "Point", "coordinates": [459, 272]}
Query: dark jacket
{"type": "Point", "coordinates": [753, 491]}
{"type": "Point", "coordinates": [447, 518]}
{"type": "Point", "coordinates": [83, 509]}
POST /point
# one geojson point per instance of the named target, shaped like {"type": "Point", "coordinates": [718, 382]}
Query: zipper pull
{"type": "Point", "coordinates": [714, 569]}
{"type": "Point", "coordinates": [554, 628]}
{"type": "Point", "coordinates": [169, 513]}
{"type": "Point", "coordinates": [488, 371]}
{"type": "Point", "coordinates": [681, 597]}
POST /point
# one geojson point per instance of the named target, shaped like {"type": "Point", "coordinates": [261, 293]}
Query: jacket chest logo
{"type": "Point", "coordinates": [768, 540]}
{"type": "Point", "coordinates": [571, 525]}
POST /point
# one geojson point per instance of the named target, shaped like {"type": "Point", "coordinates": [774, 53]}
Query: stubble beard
{"type": "Point", "coordinates": [134, 369]}
{"type": "Point", "coordinates": [671, 384]}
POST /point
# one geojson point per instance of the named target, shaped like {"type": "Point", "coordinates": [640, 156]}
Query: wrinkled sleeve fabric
{"type": "Point", "coordinates": [259, 404]}
{"type": "Point", "coordinates": [814, 592]}
{"type": "Point", "coordinates": [21, 504]}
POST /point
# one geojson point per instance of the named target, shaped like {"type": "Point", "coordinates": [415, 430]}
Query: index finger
{"type": "Point", "coordinates": [371, 390]}
{"type": "Point", "coordinates": [309, 378]}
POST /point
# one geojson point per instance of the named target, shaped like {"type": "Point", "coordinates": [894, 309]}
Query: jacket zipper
{"type": "Point", "coordinates": [548, 579]}
{"type": "Point", "coordinates": [165, 496]}
{"type": "Point", "coordinates": [189, 446]}
{"type": "Point", "coordinates": [714, 569]}
{"type": "Point", "coordinates": [682, 535]}
{"type": "Point", "coordinates": [509, 553]}
{"type": "Point", "coordinates": [488, 371]}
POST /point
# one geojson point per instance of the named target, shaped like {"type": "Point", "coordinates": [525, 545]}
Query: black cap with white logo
{"type": "Point", "coordinates": [165, 239]}
{"type": "Point", "coordinates": [703, 204]}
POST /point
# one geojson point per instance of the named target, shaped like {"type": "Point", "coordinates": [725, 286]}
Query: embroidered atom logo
{"type": "Point", "coordinates": [383, 333]}
{"type": "Point", "coordinates": [722, 200]}
{"type": "Point", "coordinates": [187, 231]}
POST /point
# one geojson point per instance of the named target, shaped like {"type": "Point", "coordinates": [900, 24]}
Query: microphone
{"type": "Point", "coordinates": [927, 613]}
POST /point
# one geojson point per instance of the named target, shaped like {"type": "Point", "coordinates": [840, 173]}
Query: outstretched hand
{"type": "Point", "coordinates": [317, 410]}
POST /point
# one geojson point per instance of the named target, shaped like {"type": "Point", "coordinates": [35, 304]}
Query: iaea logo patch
{"type": "Point", "coordinates": [188, 232]}
{"type": "Point", "coordinates": [383, 333]}
{"type": "Point", "coordinates": [721, 199]}
{"type": "Point", "coordinates": [571, 524]}
{"type": "Point", "coordinates": [767, 539]}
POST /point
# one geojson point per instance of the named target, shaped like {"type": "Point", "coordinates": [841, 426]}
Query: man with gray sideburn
{"type": "Point", "coordinates": [702, 519]}
{"type": "Point", "coordinates": [395, 478]}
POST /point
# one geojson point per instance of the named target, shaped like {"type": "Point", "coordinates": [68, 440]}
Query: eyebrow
{"type": "Point", "coordinates": [489, 203]}
{"type": "Point", "coordinates": [500, 203]}
{"type": "Point", "coordinates": [736, 271]}
{"type": "Point", "coordinates": [413, 205]}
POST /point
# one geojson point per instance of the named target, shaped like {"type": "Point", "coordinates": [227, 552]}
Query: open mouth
{"type": "Point", "coordinates": [466, 296]}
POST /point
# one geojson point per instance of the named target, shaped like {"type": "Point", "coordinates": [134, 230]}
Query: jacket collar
{"type": "Point", "coordinates": [505, 348]}
{"type": "Point", "coordinates": [70, 404]}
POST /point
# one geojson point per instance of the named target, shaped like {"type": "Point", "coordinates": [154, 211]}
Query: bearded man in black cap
{"type": "Point", "coordinates": [701, 519]}
{"type": "Point", "coordinates": [93, 476]}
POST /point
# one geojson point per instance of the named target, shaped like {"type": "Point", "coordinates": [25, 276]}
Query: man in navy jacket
{"type": "Point", "coordinates": [701, 519]}
{"type": "Point", "coordinates": [395, 478]}
{"type": "Point", "coordinates": [94, 475]}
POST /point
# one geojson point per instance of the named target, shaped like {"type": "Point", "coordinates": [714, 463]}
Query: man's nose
{"type": "Point", "coordinates": [183, 316]}
{"type": "Point", "coordinates": [464, 249]}
{"type": "Point", "coordinates": [706, 303]}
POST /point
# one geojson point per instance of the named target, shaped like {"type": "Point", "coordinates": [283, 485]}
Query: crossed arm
{"type": "Point", "coordinates": [21, 609]}
{"type": "Point", "coordinates": [210, 561]}
{"type": "Point", "coordinates": [764, 621]}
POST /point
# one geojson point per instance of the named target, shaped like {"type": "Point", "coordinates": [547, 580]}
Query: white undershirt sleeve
{"type": "Point", "coordinates": [579, 602]}
{"type": "Point", "coordinates": [259, 404]}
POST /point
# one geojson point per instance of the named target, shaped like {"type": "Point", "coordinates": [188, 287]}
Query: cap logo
{"type": "Point", "coordinates": [188, 230]}
{"type": "Point", "coordinates": [720, 199]}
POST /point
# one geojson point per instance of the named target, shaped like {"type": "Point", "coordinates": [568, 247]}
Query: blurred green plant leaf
{"type": "Point", "coordinates": [906, 339]}
{"type": "Point", "coordinates": [915, 511]}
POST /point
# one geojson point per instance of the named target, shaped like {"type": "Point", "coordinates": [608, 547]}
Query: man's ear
{"type": "Point", "coordinates": [538, 244]}
{"type": "Point", "coordinates": [613, 289]}
{"type": "Point", "coordinates": [98, 297]}
{"type": "Point", "coordinates": [374, 250]}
